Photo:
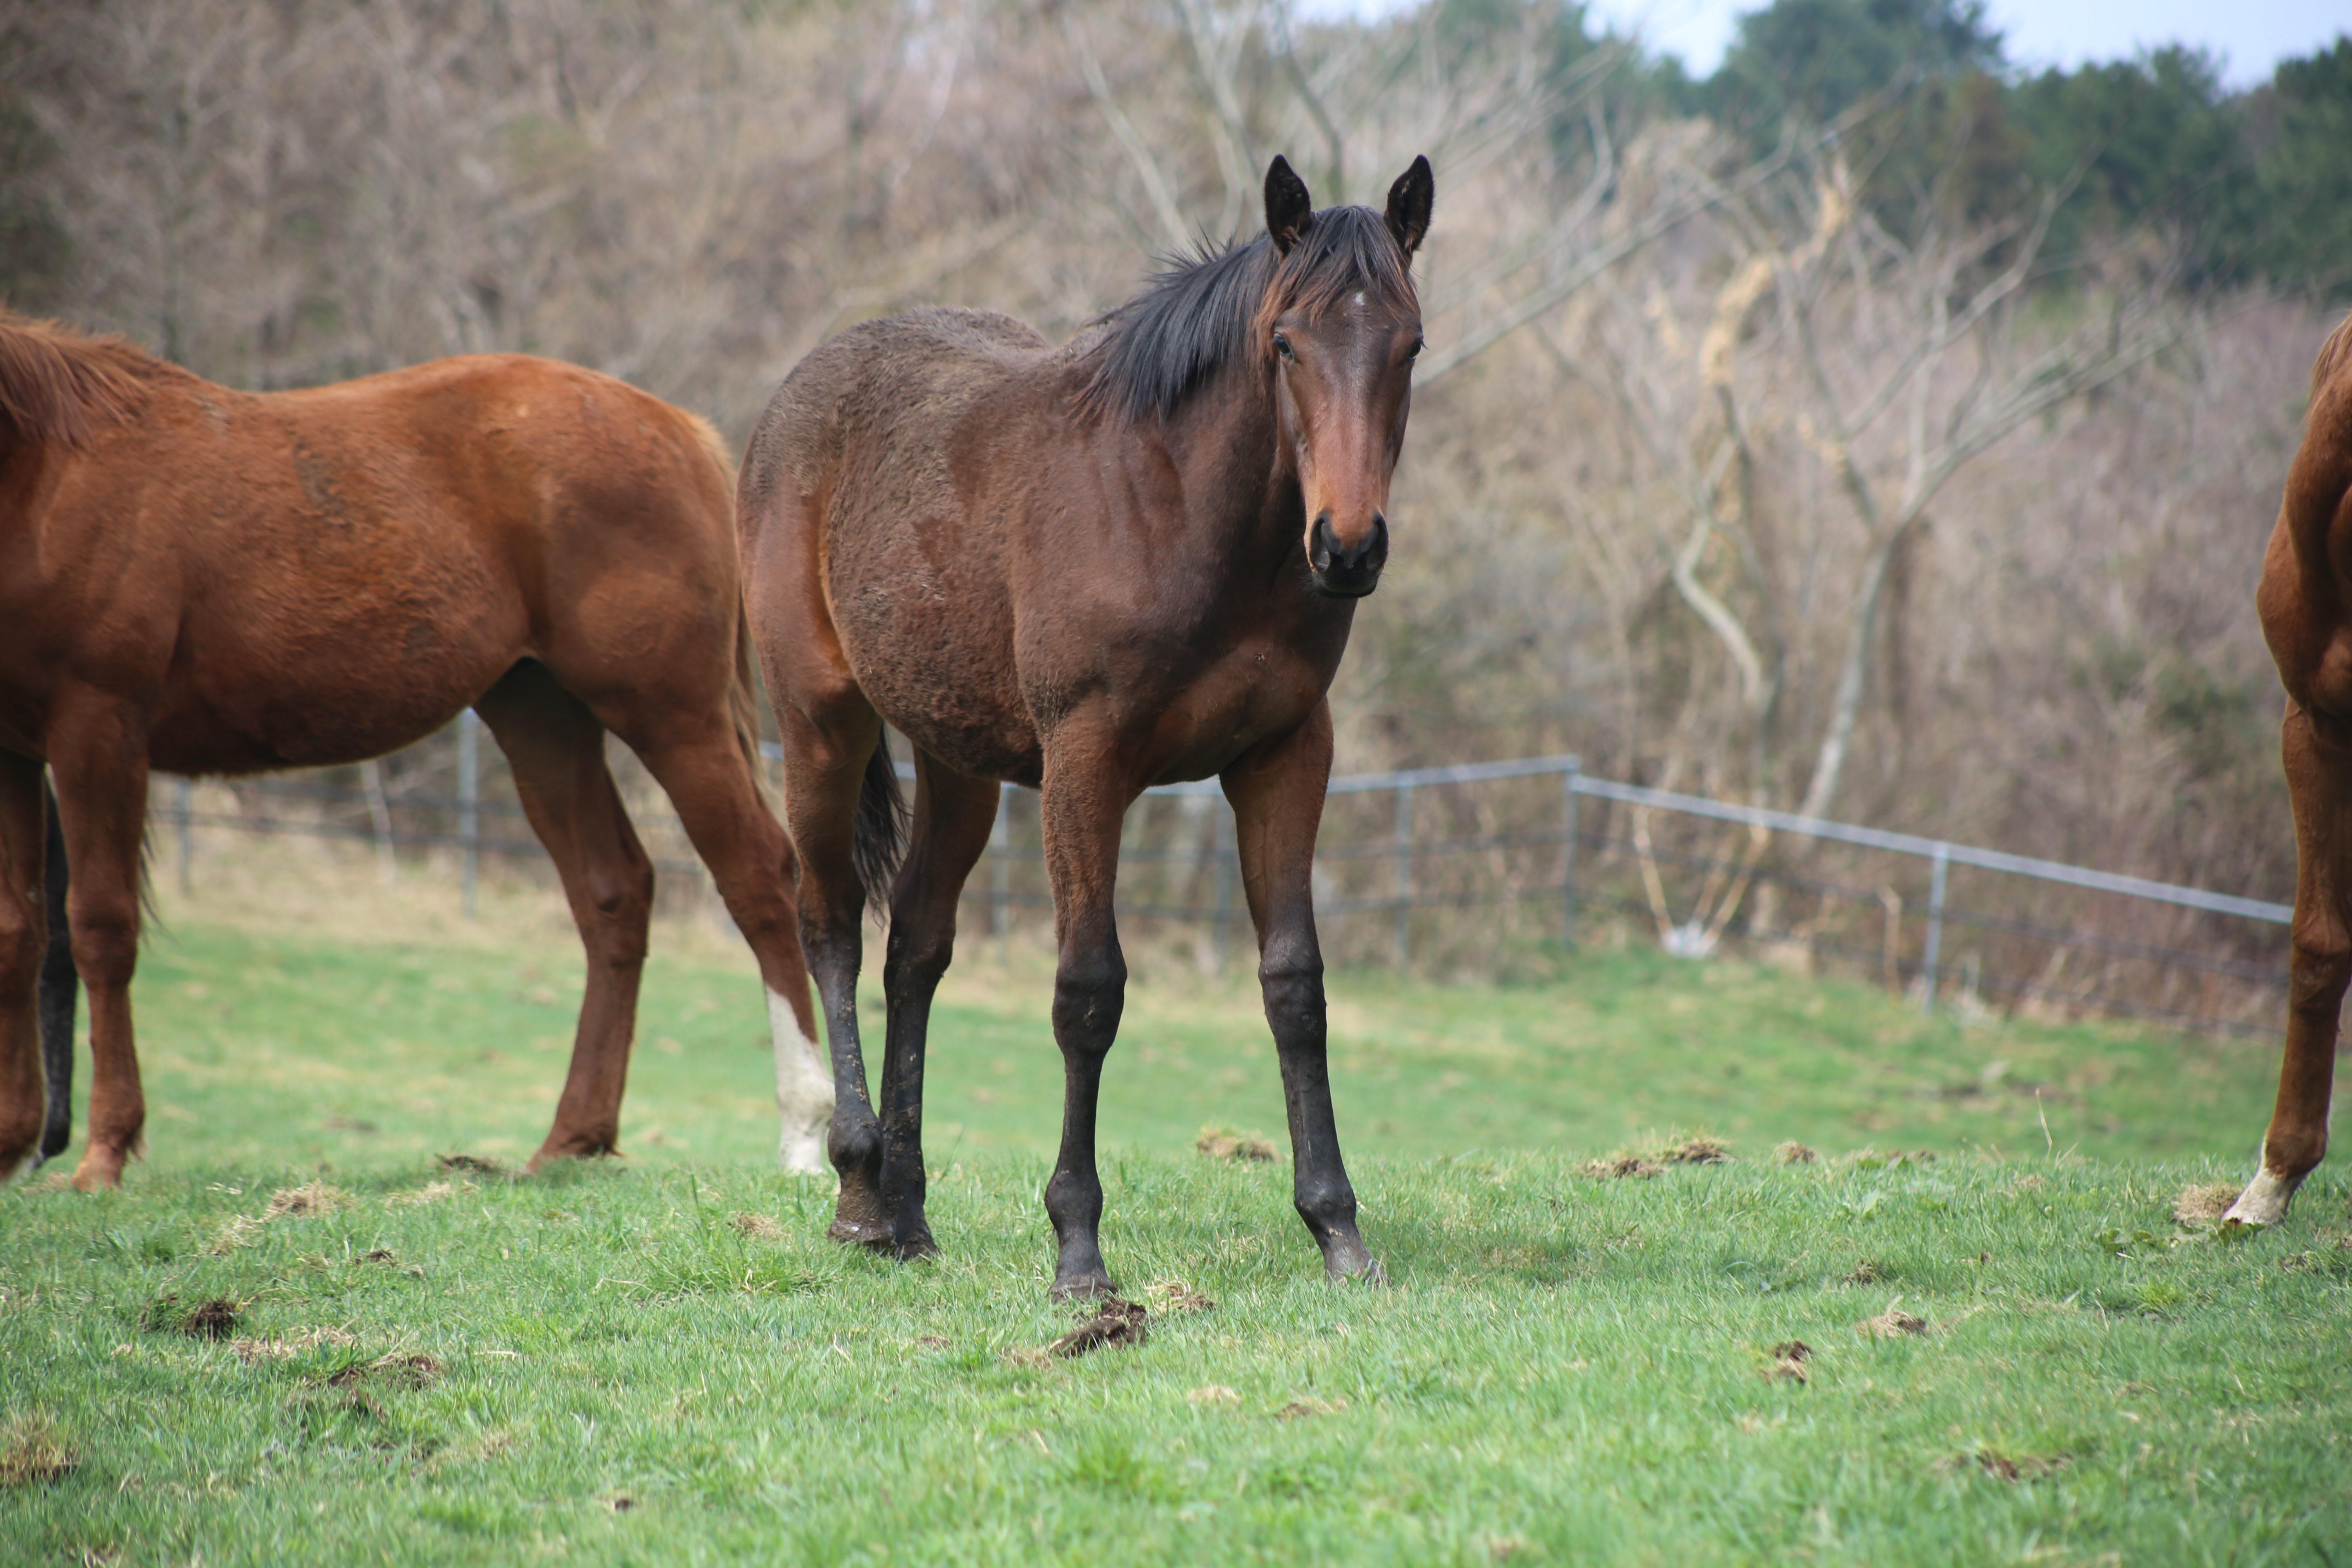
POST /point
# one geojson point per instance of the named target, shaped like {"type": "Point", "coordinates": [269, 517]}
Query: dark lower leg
{"type": "Point", "coordinates": [854, 1141]}
{"type": "Point", "coordinates": [1089, 994]}
{"type": "Point", "coordinates": [1320, 1185]}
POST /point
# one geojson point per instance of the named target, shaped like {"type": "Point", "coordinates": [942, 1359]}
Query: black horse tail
{"type": "Point", "coordinates": [60, 993]}
{"type": "Point", "coordinates": [879, 841]}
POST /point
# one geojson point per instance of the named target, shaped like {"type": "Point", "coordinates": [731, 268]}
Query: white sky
{"type": "Point", "coordinates": [2252, 35]}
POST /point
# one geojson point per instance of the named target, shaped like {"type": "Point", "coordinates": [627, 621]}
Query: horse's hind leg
{"type": "Point", "coordinates": [102, 800]}
{"type": "Point", "coordinates": [701, 765]}
{"type": "Point", "coordinates": [2319, 785]}
{"type": "Point", "coordinates": [60, 991]}
{"type": "Point", "coordinates": [21, 941]}
{"type": "Point", "coordinates": [556, 749]}
{"type": "Point", "coordinates": [953, 814]}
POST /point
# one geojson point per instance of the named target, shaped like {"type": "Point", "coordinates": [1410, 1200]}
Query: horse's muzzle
{"type": "Point", "coordinates": [1342, 573]}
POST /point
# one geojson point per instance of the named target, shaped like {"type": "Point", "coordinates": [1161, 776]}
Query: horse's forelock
{"type": "Point", "coordinates": [1345, 251]}
{"type": "Point", "coordinates": [56, 385]}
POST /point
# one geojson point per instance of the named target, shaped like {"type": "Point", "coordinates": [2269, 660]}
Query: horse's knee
{"type": "Point", "coordinates": [1292, 985]}
{"type": "Point", "coordinates": [106, 943]}
{"type": "Point", "coordinates": [1089, 990]}
{"type": "Point", "coordinates": [920, 953]}
{"type": "Point", "coordinates": [2320, 968]}
{"type": "Point", "coordinates": [622, 903]}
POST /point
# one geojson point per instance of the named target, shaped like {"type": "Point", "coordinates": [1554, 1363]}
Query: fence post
{"type": "Point", "coordinates": [1568, 852]}
{"type": "Point", "coordinates": [1000, 862]}
{"type": "Point", "coordinates": [1404, 875]}
{"type": "Point", "coordinates": [1940, 862]}
{"type": "Point", "coordinates": [470, 807]}
{"type": "Point", "coordinates": [183, 823]}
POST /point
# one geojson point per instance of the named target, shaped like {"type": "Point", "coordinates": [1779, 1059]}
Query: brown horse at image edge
{"type": "Point", "coordinates": [2305, 603]}
{"type": "Point", "coordinates": [209, 582]}
{"type": "Point", "coordinates": [1131, 560]}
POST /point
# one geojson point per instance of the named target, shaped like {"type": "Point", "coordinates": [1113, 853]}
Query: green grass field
{"type": "Point", "coordinates": [660, 1359]}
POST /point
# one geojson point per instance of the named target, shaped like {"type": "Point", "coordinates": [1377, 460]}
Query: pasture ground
{"type": "Point", "coordinates": [661, 1360]}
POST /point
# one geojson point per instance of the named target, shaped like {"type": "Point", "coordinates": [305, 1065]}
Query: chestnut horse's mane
{"type": "Point", "coordinates": [1205, 310]}
{"type": "Point", "coordinates": [2333, 354]}
{"type": "Point", "coordinates": [58, 385]}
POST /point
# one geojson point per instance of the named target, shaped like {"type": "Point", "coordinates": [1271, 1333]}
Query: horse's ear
{"type": "Point", "coordinates": [1409, 201]}
{"type": "Point", "coordinates": [1288, 207]}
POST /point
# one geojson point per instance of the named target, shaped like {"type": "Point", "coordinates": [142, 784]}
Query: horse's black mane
{"type": "Point", "coordinates": [1205, 310]}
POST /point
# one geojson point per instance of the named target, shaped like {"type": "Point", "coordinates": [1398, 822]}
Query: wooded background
{"type": "Point", "coordinates": [1870, 429]}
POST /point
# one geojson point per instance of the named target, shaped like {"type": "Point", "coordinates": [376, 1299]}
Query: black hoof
{"type": "Point", "coordinates": [858, 1233]}
{"type": "Point", "coordinates": [917, 1248]}
{"type": "Point", "coordinates": [1084, 1287]}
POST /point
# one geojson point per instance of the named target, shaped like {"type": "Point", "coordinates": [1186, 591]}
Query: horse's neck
{"type": "Point", "coordinates": [1223, 442]}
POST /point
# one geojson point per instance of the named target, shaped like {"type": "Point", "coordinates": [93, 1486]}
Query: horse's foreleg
{"type": "Point", "coordinates": [1277, 792]}
{"type": "Point", "coordinates": [1081, 805]}
{"type": "Point", "coordinates": [2319, 785]}
{"type": "Point", "coordinates": [952, 816]}
{"type": "Point", "coordinates": [555, 748]}
{"type": "Point", "coordinates": [98, 755]}
{"type": "Point", "coordinates": [21, 944]}
{"type": "Point", "coordinates": [60, 991]}
{"type": "Point", "coordinates": [825, 767]}
{"type": "Point", "coordinates": [709, 781]}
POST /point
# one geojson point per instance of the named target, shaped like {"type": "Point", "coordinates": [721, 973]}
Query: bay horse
{"type": "Point", "coordinates": [204, 581]}
{"type": "Point", "coordinates": [1089, 569]}
{"type": "Point", "coordinates": [2305, 603]}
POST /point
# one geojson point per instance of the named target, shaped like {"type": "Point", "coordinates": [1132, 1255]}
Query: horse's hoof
{"type": "Point", "coordinates": [1084, 1287]}
{"type": "Point", "coordinates": [917, 1248]}
{"type": "Point", "coordinates": [97, 1176]}
{"type": "Point", "coordinates": [858, 1233]}
{"type": "Point", "coordinates": [2264, 1202]}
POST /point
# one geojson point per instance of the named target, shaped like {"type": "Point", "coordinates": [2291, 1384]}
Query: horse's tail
{"type": "Point", "coordinates": [56, 385]}
{"type": "Point", "coordinates": [879, 841]}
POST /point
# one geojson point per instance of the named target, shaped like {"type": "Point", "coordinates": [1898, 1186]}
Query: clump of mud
{"type": "Point", "coordinates": [212, 1320]}
{"type": "Point", "coordinates": [1696, 1150]}
{"type": "Point", "coordinates": [1177, 1296]}
{"type": "Point", "coordinates": [33, 1453]}
{"type": "Point", "coordinates": [473, 1163]}
{"type": "Point", "coordinates": [757, 1226]}
{"type": "Point", "coordinates": [1116, 1323]}
{"type": "Point", "coordinates": [1619, 1167]}
{"type": "Point", "coordinates": [1893, 1323]}
{"type": "Point", "coordinates": [1789, 1362]}
{"type": "Point", "coordinates": [1794, 1153]}
{"type": "Point", "coordinates": [1224, 1143]}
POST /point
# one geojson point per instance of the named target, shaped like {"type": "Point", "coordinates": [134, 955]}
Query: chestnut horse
{"type": "Point", "coordinates": [1088, 570]}
{"type": "Point", "coordinates": [2305, 603]}
{"type": "Point", "coordinates": [211, 581]}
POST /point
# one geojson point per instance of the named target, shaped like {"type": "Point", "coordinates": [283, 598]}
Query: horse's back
{"type": "Point", "coordinates": [2305, 597]}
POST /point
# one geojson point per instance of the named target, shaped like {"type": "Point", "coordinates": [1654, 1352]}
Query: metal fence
{"type": "Point", "coordinates": [1479, 869]}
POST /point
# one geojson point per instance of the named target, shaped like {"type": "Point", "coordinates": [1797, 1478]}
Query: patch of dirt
{"type": "Point", "coordinates": [620, 1504]}
{"type": "Point", "coordinates": [1617, 1167]}
{"type": "Point", "coordinates": [2202, 1202]}
{"type": "Point", "coordinates": [1300, 1409]}
{"type": "Point", "coordinates": [1027, 1360]}
{"type": "Point", "coordinates": [308, 1201]}
{"type": "Point", "coordinates": [1892, 1323]}
{"type": "Point", "coordinates": [378, 1255]}
{"type": "Point", "coordinates": [1115, 1322]}
{"type": "Point", "coordinates": [1210, 1395]}
{"type": "Point", "coordinates": [473, 1163]}
{"type": "Point", "coordinates": [1697, 1150]}
{"type": "Point", "coordinates": [932, 1342]}
{"type": "Point", "coordinates": [1177, 1296]}
{"type": "Point", "coordinates": [758, 1226]}
{"type": "Point", "coordinates": [430, 1193]}
{"type": "Point", "coordinates": [251, 1351]}
{"type": "Point", "coordinates": [1794, 1153]}
{"type": "Point", "coordinates": [2016, 1467]}
{"type": "Point", "coordinates": [413, 1371]}
{"type": "Point", "coordinates": [33, 1453]}
{"type": "Point", "coordinates": [1224, 1143]}
{"type": "Point", "coordinates": [1789, 1362]}
{"type": "Point", "coordinates": [1865, 1272]}
{"type": "Point", "coordinates": [213, 1319]}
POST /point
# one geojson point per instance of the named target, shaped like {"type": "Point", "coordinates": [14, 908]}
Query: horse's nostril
{"type": "Point", "coordinates": [1323, 546]}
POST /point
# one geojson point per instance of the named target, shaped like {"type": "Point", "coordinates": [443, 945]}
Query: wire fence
{"type": "Point", "coordinates": [1474, 871]}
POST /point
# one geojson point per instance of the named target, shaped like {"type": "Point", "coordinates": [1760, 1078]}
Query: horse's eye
{"type": "Point", "coordinates": [1413, 352]}
{"type": "Point", "coordinates": [1282, 346]}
